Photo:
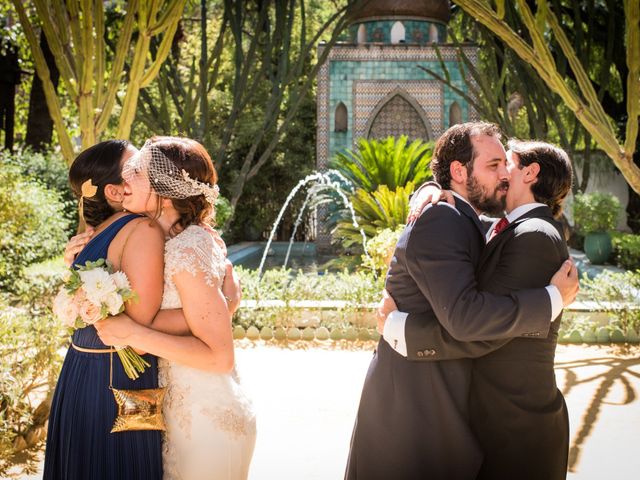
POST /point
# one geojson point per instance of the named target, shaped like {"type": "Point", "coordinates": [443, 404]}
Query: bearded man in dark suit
{"type": "Point", "coordinates": [516, 410]}
{"type": "Point", "coordinates": [413, 418]}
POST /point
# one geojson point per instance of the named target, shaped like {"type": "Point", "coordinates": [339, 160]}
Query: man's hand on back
{"type": "Point", "coordinates": [385, 307]}
{"type": "Point", "coordinates": [567, 282]}
{"type": "Point", "coordinates": [427, 195]}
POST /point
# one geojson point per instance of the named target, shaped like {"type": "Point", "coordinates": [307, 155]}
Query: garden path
{"type": "Point", "coordinates": [306, 401]}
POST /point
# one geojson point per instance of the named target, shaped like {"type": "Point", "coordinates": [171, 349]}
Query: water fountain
{"type": "Point", "coordinates": [329, 180]}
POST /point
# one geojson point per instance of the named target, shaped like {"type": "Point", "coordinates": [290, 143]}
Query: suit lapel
{"type": "Point", "coordinates": [492, 245]}
{"type": "Point", "coordinates": [464, 208]}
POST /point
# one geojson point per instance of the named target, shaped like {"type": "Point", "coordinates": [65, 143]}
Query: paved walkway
{"type": "Point", "coordinates": [306, 402]}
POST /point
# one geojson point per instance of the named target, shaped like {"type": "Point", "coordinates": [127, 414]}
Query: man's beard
{"type": "Point", "coordinates": [489, 204]}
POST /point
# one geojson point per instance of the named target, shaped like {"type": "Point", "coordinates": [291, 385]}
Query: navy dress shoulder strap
{"type": "Point", "coordinates": [98, 247]}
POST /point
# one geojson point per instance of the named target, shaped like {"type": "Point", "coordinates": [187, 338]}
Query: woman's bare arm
{"type": "Point", "coordinates": [173, 322]}
{"type": "Point", "coordinates": [143, 263]}
{"type": "Point", "coordinates": [205, 310]}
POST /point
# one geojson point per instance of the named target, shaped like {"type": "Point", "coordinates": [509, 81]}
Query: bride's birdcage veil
{"type": "Point", "coordinates": [151, 167]}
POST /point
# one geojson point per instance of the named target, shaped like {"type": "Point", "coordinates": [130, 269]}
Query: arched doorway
{"type": "Point", "coordinates": [398, 114]}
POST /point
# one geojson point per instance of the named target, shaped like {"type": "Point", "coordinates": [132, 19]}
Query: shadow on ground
{"type": "Point", "coordinates": [611, 372]}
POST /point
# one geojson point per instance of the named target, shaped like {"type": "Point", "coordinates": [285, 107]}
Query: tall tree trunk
{"type": "Point", "coordinates": [9, 78]}
{"type": "Point", "coordinates": [204, 74]}
{"type": "Point", "coordinates": [633, 207]}
{"type": "Point", "coordinates": [586, 163]}
{"type": "Point", "coordinates": [39, 122]}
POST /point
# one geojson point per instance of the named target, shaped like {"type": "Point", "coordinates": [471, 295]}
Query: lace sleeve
{"type": "Point", "coordinates": [194, 251]}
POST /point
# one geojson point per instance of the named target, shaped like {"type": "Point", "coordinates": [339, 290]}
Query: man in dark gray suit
{"type": "Point", "coordinates": [516, 410]}
{"type": "Point", "coordinates": [413, 419]}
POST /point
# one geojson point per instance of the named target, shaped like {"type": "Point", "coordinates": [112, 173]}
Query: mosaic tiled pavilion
{"type": "Point", "coordinates": [370, 86]}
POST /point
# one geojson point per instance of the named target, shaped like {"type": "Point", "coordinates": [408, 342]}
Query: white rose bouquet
{"type": "Point", "coordinates": [93, 292]}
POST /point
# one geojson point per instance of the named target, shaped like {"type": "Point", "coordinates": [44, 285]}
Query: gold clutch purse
{"type": "Point", "coordinates": [137, 409]}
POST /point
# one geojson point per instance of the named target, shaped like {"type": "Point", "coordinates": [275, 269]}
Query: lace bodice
{"type": "Point", "coordinates": [209, 418]}
{"type": "Point", "coordinates": [193, 250]}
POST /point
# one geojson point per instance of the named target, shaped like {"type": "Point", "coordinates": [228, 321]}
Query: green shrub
{"type": "Point", "coordinates": [357, 289]}
{"type": "Point", "coordinates": [30, 339]}
{"type": "Point", "coordinates": [383, 174]}
{"type": "Point", "coordinates": [626, 250]}
{"type": "Point", "coordinates": [618, 294]}
{"type": "Point", "coordinates": [34, 224]}
{"type": "Point", "coordinates": [284, 284]}
{"type": "Point", "coordinates": [50, 170]}
{"type": "Point", "coordinates": [223, 211]}
{"type": "Point", "coordinates": [380, 249]}
{"type": "Point", "coordinates": [595, 212]}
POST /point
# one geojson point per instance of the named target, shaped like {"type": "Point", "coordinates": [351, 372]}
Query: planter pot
{"type": "Point", "coordinates": [597, 247]}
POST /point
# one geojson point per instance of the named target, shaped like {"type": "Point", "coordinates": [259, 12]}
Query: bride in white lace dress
{"type": "Point", "coordinates": [211, 426]}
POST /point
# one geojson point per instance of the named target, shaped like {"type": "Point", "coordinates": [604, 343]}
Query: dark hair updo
{"type": "Point", "coordinates": [192, 157]}
{"type": "Point", "coordinates": [101, 164]}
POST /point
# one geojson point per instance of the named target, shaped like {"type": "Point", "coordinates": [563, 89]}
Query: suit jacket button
{"type": "Point", "coordinates": [420, 354]}
{"type": "Point", "coordinates": [431, 352]}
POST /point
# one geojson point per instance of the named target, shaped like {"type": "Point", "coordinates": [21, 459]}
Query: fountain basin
{"type": "Point", "coordinates": [303, 256]}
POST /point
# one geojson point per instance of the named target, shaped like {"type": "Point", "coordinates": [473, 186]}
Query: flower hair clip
{"type": "Point", "coordinates": [88, 190]}
{"type": "Point", "coordinates": [210, 192]}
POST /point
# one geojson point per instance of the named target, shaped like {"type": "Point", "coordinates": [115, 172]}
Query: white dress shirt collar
{"type": "Point", "coordinates": [514, 215]}
{"type": "Point", "coordinates": [517, 212]}
{"type": "Point", "coordinates": [457, 195]}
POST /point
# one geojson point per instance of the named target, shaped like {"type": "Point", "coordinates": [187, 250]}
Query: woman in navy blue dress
{"type": "Point", "coordinates": [79, 443]}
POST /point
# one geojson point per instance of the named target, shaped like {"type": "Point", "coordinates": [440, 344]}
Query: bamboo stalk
{"type": "Point", "coordinates": [632, 15]}
{"type": "Point", "coordinates": [85, 102]}
{"type": "Point", "coordinates": [537, 38]}
{"type": "Point", "coordinates": [100, 62]}
{"type": "Point", "coordinates": [584, 83]}
{"type": "Point", "coordinates": [163, 51]}
{"type": "Point", "coordinates": [117, 66]}
{"type": "Point", "coordinates": [62, 62]}
{"type": "Point", "coordinates": [203, 64]}
{"type": "Point", "coordinates": [61, 21]}
{"type": "Point", "coordinates": [135, 74]}
{"type": "Point", "coordinates": [601, 132]}
{"type": "Point", "coordinates": [76, 32]}
{"type": "Point", "coordinates": [170, 14]}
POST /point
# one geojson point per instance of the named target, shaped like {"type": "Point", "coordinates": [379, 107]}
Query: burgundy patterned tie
{"type": "Point", "coordinates": [500, 226]}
